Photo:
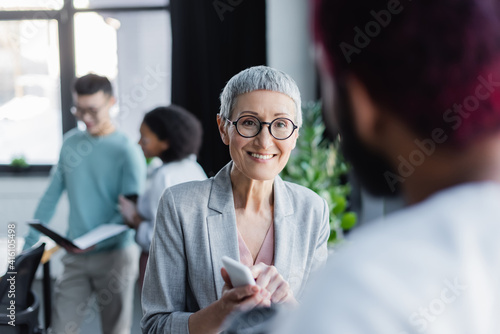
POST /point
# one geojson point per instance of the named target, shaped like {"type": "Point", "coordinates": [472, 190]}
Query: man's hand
{"type": "Point", "coordinates": [128, 209]}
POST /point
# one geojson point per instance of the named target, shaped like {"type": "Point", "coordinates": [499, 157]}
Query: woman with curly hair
{"type": "Point", "coordinates": [173, 135]}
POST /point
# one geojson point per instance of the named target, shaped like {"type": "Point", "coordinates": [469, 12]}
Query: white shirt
{"type": "Point", "coordinates": [166, 175]}
{"type": "Point", "coordinates": [431, 268]}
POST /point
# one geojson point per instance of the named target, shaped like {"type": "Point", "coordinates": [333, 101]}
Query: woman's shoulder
{"type": "Point", "coordinates": [191, 190]}
{"type": "Point", "coordinates": [303, 195]}
{"type": "Point", "coordinates": [185, 166]}
{"type": "Point", "coordinates": [300, 191]}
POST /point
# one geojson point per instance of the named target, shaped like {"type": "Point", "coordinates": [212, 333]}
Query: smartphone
{"type": "Point", "coordinates": [239, 274]}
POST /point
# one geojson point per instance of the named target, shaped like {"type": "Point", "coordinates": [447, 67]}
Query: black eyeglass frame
{"type": "Point", "coordinates": [92, 111]}
{"type": "Point", "coordinates": [260, 126]}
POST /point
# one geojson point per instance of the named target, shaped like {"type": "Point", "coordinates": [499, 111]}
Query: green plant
{"type": "Point", "coordinates": [19, 162]}
{"type": "Point", "coordinates": [317, 164]}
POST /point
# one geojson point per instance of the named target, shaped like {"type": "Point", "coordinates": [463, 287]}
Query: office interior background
{"type": "Point", "coordinates": [155, 52]}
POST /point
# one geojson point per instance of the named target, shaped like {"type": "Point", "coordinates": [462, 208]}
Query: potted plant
{"type": "Point", "coordinates": [19, 164]}
{"type": "Point", "coordinates": [317, 164]}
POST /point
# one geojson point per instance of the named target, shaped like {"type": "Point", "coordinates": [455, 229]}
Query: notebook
{"type": "Point", "coordinates": [85, 241]}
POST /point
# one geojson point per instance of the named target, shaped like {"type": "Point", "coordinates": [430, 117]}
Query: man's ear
{"type": "Point", "coordinates": [112, 100]}
{"type": "Point", "coordinates": [366, 115]}
{"type": "Point", "coordinates": [221, 124]}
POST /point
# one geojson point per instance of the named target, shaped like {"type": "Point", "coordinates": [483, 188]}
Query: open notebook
{"type": "Point", "coordinates": [85, 241]}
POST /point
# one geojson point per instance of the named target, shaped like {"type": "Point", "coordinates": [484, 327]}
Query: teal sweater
{"type": "Point", "coordinates": [94, 171]}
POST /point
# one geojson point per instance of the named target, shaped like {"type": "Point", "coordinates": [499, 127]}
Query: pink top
{"type": "Point", "coordinates": [266, 252]}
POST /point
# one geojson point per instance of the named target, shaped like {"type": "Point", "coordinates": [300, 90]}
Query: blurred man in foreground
{"type": "Point", "coordinates": [416, 86]}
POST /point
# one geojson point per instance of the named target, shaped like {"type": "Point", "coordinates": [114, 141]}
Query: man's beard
{"type": "Point", "coordinates": [369, 166]}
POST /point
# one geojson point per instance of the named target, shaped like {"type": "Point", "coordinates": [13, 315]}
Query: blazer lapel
{"type": "Point", "coordinates": [284, 228]}
{"type": "Point", "coordinates": [223, 234]}
{"type": "Point", "coordinates": [221, 225]}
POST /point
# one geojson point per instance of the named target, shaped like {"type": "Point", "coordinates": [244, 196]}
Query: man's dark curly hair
{"type": "Point", "coordinates": [179, 127]}
{"type": "Point", "coordinates": [434, 64]}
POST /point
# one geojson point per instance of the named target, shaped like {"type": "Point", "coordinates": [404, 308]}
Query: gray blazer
{"type": "Point", "coordinates": [196, 226]}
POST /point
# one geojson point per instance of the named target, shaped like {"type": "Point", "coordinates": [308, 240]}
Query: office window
{"type": "Point", "coordinates": [30, 112]}
{"type": "Point", "coordinates": [94, 4]}
{"type": "Point", "coordinates": [125, 47]}
{"type": "Point", "coordinates": [30, 4]}
{"type": "Point", "coordinates": [44, 45]}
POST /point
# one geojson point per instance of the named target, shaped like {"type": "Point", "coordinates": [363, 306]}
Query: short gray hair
{"type": "Point", "coordinates": [259, 78]}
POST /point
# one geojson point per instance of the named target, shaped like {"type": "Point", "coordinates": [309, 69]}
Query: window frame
{"type": "Point", "coordinates": [65, 23]}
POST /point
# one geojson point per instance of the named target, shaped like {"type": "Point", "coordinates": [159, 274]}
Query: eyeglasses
{"type": "Point", "coordinates": [250, 126]}
{"type": "Point", "coordinates": [80, 112]}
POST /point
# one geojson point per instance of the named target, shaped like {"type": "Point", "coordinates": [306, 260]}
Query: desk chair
{"type": "Point", "coordinates": [26, 301]}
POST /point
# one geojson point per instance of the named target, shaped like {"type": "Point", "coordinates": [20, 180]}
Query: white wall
{"type": "Point", "coordinates": [289, 43]}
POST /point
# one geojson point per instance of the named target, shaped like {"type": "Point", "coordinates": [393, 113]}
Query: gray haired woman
{"type": "Point", "coordinates": [247, 212]}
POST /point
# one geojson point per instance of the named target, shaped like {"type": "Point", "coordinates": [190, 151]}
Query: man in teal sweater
{"type": "Point", "coordinates": [95, 167]}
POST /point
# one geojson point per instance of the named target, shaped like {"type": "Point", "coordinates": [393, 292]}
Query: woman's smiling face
{"type": "Point", "coordinates": [261, 157]}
